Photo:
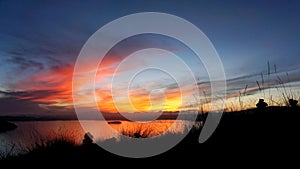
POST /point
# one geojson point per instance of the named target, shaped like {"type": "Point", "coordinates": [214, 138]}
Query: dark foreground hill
{"type": "Point", "coordinates": [269, 135]}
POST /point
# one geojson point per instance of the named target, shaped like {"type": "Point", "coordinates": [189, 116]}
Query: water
{"type": "Point", "coordinates": [30, 132]}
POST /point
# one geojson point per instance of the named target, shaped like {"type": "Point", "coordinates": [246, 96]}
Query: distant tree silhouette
{"type": "Point", "coordinates": [88, 138]}
{"type": "Point", "coordinates": [293, 103]}
{"type": "Point", "coordinates": [261, 104]}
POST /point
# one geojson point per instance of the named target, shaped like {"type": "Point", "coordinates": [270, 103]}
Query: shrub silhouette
{"type": "Point", "coordinates": [293, 103]}
{"type": "Point", "coordinates": [261, 104]}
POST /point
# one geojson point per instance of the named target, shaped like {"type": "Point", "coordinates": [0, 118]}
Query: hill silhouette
{"type": "Point", "coordinates": [6, 126]}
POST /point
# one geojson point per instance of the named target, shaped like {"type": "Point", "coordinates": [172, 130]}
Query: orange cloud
{"type": "Point", "coordinates": [55, 88]}
{"type": "Point", "coordinates": [142, 100]}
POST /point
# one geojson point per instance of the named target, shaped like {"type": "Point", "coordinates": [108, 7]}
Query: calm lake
{"type": "Point", "coordinates": [30, 132]}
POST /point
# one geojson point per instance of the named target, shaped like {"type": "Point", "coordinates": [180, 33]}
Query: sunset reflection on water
{"type": "Point", "coordinates": [29, 133]}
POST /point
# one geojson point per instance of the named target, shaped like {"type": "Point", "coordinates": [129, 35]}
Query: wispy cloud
{"type": "Point", "coordinates": [24, 64]}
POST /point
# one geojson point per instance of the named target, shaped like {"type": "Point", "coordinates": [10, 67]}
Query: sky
{"type": "Point", "coordinates": [257, 42]}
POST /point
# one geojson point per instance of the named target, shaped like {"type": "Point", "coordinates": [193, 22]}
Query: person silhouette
{"type": "Point", "coordinates": [261, 104]}
{"type": "Point", "coordinates": [88, 138]}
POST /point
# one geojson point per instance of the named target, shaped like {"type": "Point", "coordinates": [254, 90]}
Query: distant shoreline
{"type": "Point", "coordinates": [164, 116]}
{"type": "Point", "coordinates": [20, 118]}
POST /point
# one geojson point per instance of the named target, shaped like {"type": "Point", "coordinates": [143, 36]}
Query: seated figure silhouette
{"type": "Point", "coordinates": [293, 103]}
{"type": "Point", "coordinates": [261, 104]}
{"type": "Point", "coordinates": [88, 138]}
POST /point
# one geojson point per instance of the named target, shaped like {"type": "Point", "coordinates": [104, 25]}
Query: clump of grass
{"type": "Point", "coordinates": [285, 89]}
{"type": "Point", "coordinates": [54, 148]}
{"type": "Point", "coordinates": [241, 94]}
{"type": "Point", "coordinates": [281, 84]}
{"type": "Point", "coordinates": [57, 143]}
{"type": "Point", "coordinates": [139, 131]}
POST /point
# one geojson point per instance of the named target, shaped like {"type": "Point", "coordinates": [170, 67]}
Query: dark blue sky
{"type": "Point", "coordinates": [39, 37]}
